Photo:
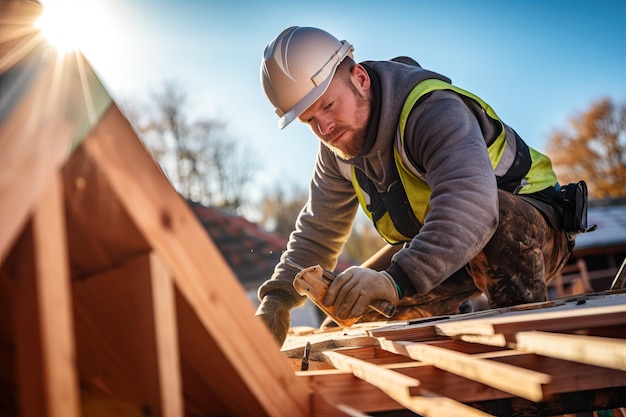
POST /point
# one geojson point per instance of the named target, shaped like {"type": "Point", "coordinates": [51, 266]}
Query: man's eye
{"type": "Point", "coordinates": [329, 105]}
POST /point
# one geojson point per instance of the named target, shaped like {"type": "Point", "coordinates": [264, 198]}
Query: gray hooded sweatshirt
{"type": "Point", "coordinates": [446, 138]}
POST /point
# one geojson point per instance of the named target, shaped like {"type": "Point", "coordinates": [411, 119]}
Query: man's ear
{"type": "Point", "coordinates": [360, 78]}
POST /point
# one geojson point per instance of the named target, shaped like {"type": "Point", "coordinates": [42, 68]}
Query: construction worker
{"type": "Point", "coordinates": [466, 206]}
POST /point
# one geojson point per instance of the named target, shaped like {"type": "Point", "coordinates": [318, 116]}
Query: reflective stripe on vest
{"type": "Point", "coordinates": [518, 168]}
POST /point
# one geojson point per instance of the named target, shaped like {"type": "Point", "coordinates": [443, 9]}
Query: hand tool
{"type": "Point", "coordinates": [305, 357]}
{"type": "Point", "coordinates": [314, 282]}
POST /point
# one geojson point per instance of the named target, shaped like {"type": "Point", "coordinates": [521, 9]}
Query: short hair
{"type": "Point", "coordinates": [345, 68]}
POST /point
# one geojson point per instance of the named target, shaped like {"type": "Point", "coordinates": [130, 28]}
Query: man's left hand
{"type": "Point", "coordinates": [352, 291]}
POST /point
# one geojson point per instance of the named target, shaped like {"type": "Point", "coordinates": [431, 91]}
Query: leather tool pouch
{"type": "Point", "coordinates": [574, 197]}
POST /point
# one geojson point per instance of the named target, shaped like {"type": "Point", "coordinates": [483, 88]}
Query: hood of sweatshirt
{"type": "Point", "coordinates": [391, 83]}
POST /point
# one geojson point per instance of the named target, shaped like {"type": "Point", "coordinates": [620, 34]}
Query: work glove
{"type": "Point", "coordinates": [274, 311]}
{"type": "Point", "coordinates": [352, 291]}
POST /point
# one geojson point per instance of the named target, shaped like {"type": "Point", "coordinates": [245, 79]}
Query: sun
{"type": "Point", "coordinates": [74, 24]}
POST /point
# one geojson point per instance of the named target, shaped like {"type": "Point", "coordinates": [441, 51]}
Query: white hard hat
{"type": "Point", "coordinates": [297, 68]}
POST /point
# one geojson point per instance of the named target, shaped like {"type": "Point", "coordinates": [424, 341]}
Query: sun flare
{"type": "Point", "coordinates": [74, 24]}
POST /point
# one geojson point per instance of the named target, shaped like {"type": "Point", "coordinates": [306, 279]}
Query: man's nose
{"type": "Point", "coordinates": [325, 125]}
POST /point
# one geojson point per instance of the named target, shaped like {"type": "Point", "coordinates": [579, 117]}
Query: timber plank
{"type": "Point", "coordinates": [405, 390]}
{"type": "Point", "coordinates": [166, 340]}
{"type": "Point", "coordinates": [212, 385]}
{"type": "Point", "coordinates": [584, 313]}
{"type": "Point", "coordinates": [518, 381]}
{"type": "Point", "coordinates": [592, 350]}
{"type": "Point", "coordinates": [343, 387]}
{"type": "Point", "coordinates": [336, 387]}
{"type": "Point", "coordinates": [53, 290]}
{"type": "Point", "coordinates": [557, 378]}
{"type": "Point", "coordinates": [39, 297]}
{"type": "Point", "coordinates": [567, 376]}
{"type": "Point", "coordinates": [396, 385]}
{"type": "Point", "coordinates": [119, 340]}
{"type": "Point", "coordinates": [424, 329]}
{"type": "Point", "coordinates": [201, 275]}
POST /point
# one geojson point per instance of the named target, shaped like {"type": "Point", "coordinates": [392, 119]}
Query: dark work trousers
{"type": "Point", "coordinates": [524, 254]}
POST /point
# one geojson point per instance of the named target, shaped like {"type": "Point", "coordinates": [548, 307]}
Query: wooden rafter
{"type": "Point", "coordinates": [115, 296]}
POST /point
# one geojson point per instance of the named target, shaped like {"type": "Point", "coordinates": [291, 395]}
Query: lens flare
{"type": "Point", "coordinates": [73, 24]}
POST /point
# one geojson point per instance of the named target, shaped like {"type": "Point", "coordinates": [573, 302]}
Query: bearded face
{"type": "Point", "coordinates": [339, 117]}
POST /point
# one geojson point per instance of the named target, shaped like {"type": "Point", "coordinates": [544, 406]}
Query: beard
{"type": "Point", "coordinates": [349, 149]}
{"type": "Point", "coordinates": [352, 146]}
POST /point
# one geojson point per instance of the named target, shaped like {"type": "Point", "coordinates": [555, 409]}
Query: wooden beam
{"type": "Point", "coordinates": [53, 288]}
{"type": "Point", "coordinates": [583, 313]}
{"type": "Point", "coordinates": [395, 384]}
{"type": "Point", "coordinates": [484, 339]}
{"type": "Point", "coordinates": [41, 304]}
{"type": "Point", "coordinates": [127, 340]}
{"type": "Point", "coordinates": [424, 329]}
{"type": "Point", "coordinates": [166, 334]}
{"type": "Point", "coordinates": [563, 374]}
{"type": "Point", "coordinates": [592, 350]}
{"type": "Point", "coordinates": [401, 388]}
{"type": "Point", "coordinates": [337, 387]}
{"type": "Point", "coordinates": [202, 276]}
{"type": "Point", "coordinates": [518, 381]}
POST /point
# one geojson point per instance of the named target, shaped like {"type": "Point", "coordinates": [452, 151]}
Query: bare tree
{"type": "Point", "coordinates": [280, 208]}
{"type": "Point", "coordinates": [364, 241]}
{"type": "Point", "coordinates": [593, 149]}
{"type": "Point", "coordinates": [199, 158]}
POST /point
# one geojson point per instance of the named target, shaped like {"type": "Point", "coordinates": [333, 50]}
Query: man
{"type": "Point", "coordinates": [467, 205]}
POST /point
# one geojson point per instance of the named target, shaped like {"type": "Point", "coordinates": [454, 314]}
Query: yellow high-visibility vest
{"type": "Point", "coordinates": [537, 177]}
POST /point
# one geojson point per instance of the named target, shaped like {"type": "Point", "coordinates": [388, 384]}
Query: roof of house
{"type": "Point", "coordinates": [251, 252]}
{"type": "Point", "coordinates": [610, 217]}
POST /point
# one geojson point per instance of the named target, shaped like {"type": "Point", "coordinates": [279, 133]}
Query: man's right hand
{"type": "Point", "coordinates": [274, 312]}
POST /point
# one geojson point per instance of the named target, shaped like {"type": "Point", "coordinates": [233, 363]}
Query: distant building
{"type": "Point", "coordinates": [598, 254]}
{"type": "Point", "coordinates": [252, 253]}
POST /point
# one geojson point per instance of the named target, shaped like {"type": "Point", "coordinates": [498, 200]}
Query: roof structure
{"type": "Point", "coordinates": [115, 301]}
{"type": "Point", "coordinates": [560, 357]}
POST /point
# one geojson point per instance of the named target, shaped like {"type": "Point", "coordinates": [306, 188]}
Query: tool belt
{"type": "Point", "coordinates": [574, 198]}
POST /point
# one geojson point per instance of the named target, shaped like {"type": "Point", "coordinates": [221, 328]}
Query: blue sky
{"type": "Point", "coordinates": [537, 63]}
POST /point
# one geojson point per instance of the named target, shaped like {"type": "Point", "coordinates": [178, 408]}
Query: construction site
{"type": "Point", "coordinates": [116, 301]}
